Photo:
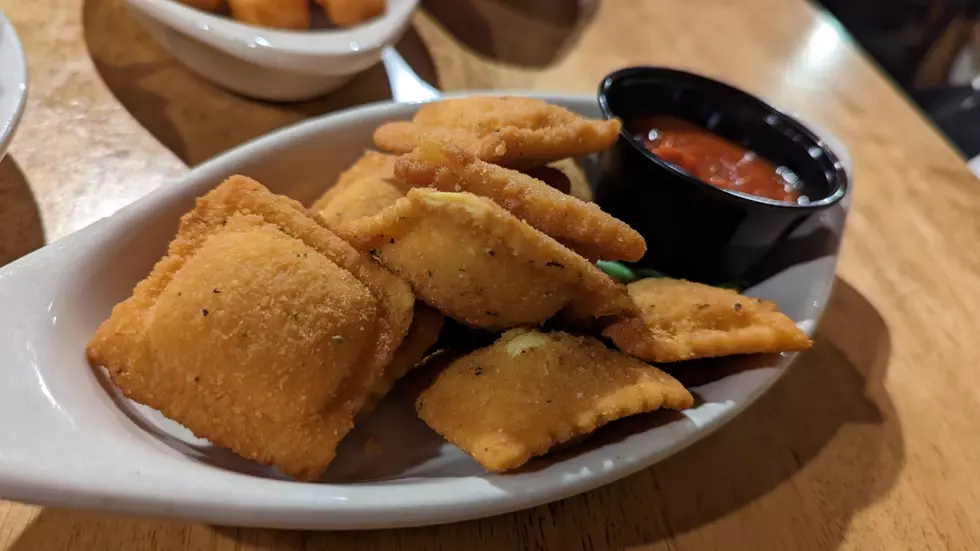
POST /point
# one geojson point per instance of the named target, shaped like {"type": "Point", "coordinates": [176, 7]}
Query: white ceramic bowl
{"type": "Point", "coordinates": [68, 438]}
{"type": "Point", "coordinates": [271, 64]}
{"type": "Point", "coordinates": [13, 82]}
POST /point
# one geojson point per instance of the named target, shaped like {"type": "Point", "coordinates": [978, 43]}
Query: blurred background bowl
{"type": "Point", "coordinates": [695, 230]}
{"type": "Point", "coordinates": [271, 64]}
{"type": "Point", "coordinates": [13, 82]}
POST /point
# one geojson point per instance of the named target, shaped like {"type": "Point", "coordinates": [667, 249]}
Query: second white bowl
{"type": "Point", "coordinates": [271, 64]}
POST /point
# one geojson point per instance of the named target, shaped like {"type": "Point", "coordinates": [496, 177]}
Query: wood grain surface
{"type": "Point", "coordinates": [871, 440]}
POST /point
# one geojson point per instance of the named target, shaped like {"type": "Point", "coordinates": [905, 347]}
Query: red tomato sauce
{"type": "Point", "coordinates": [715, 160]}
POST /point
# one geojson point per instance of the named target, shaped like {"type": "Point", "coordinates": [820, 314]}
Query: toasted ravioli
{"type": "Point", "coordinates": [423, 334]}
{"type": "Point", "coordinates": [275, 14]}
{"type": "Point", "coordinates": [681, 320]}
{"type": "Point", "coordinates": [218, 370]}
{"type": "Point", "coordinates": [368, 186]}
{"type": "Point", "coordinates": [509, 131]}
{"type": "Point", "coordinates": [260, 330]}
{"type": "Point", "coordinates": [241, 195]}
{"type": "Point", "coordinates": [550, 176]}
{"type": "Point", "coordinates": [347, 13]}
{"type": "Point", "coordinates": [478, 264]}
{"type": "Point", "coordinates": [582, 227]}
{"type": "Point", "coordinates": [566, 176]}
{"type": "Point", "coordinates": [530, 391]}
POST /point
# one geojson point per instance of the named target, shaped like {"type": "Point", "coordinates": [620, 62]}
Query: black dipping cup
{"type": "Point", "coordinates": [693, 229]}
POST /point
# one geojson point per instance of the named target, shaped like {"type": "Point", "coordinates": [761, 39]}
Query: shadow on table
{"type": "Point", "coordinates": [21, 230]}
{"type": "Point", "coordinates": [531, 34]}
{"type": "Point", "coordinates": [193, 117]}
{"type": "Point", "coordinates": [828, 427]}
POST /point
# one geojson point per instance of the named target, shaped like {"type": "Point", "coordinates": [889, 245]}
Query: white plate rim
{"type": "Point", "coordinates": [13, 82]}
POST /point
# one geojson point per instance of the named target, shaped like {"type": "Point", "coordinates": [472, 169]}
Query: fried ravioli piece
{"type": "Point", "coordinates": [566, 176]}
{"type": "Point", "coordinates": [509, 131]}
{"type": "Point", "coordinates": [552, 177]}
{"type": "Point", "coordinates": [347, 13]}
{"type": "Point", "coordinates": [530, 391]}
{"type": "Point", "coordinates": [580, 226]}
{"type": "Point", "coordinates": [682, 320]}
{"type": "Point", "coordinates": [478, 264]}
{"type": "Point", "coordinates": [274, 14]}
{"type": "Point", "coordinates": [365, 188]}
{"type": "Point", "coordinates": [423, 334]}
{"type": "Point", "coordinates": [260, 330]}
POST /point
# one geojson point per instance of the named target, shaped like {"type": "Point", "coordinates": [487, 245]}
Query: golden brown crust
{"type": "Point", "coordinates": [509, 131]}
{"type": "Point", "coordinates": [241, 194]}
{"type": "Point", "coordinates": [475, 262]}
{"type": "Point", "coordinates": [423, 334]}
{"type": "Point", "coordinates": [347, 13]}
{"type": "Point", "coordinates": [682, 320]}
{"type": "Point", "coordinates": [365, 188]}
{"type": "Point", "coordinates": [283, 311]}
{"type": "Point", "coordinates": [530, 391]}
{"type": "Point", "coordinates": [274, 14]}
{"type": "Point", "coordinates": [582, 227]}
{"type": "Point", "coordinates": [567, 176]}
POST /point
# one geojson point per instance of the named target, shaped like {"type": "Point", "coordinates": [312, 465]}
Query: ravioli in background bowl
{"type": "Point", "coordinates": [271, 64]}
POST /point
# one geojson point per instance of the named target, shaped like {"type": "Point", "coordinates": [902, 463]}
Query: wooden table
{"type": "Point", "coordinates": [870, 442]}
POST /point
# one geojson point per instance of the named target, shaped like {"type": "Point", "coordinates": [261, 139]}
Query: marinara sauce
{"type": "Point", "coordinates": [715, 160]}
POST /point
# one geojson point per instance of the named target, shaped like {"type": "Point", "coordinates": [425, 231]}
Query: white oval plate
{"type": "Point", "coordinates": [67, 439]}
{"type": "Point", "coordinates": [13, 82]}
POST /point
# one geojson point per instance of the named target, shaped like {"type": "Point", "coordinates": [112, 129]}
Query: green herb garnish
{"type": "Point", "coordinates": [618, 271]}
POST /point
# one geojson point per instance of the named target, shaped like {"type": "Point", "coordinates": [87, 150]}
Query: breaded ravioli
{"type": "Point", "coordinates": [681, 320]}
{"type": "Point", "coordinates": [530, 391]}
{"type": "Point", "coordinates": [582, 227]}
{"type": "Point", "coordinates": [422, 335]}
{"type": "Point", "coordinates": [478, 264]}
{"type": "Point", "coordinates": [274, 14]}
{"type": "Point", "coordinates": [566, 176]}
{"type": "Point", "coordinates": [365, 188]}
{"type": "Point", "coordinates": [260, 330]}
{"type": "Point", "coordinates": [509, 131]}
